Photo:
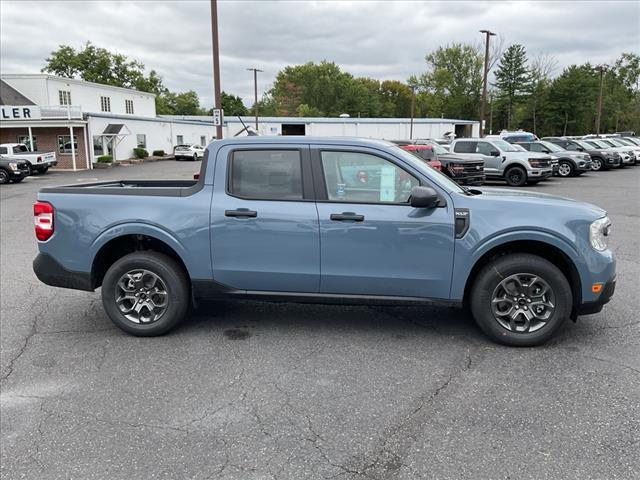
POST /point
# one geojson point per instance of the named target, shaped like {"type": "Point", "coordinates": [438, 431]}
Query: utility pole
{"type": "Point", "coordinates": [491, 113]}
{"type": "Point", "coordinates": [255, 92]}
{"type": "Point", "coordinates": [216, 63]}
{"type": "Point", "coordinates": [413, 107]}
{"type": "Point", "coordinates": [601, 69]}
{"type": "Point", "coordinates": [488, 34]}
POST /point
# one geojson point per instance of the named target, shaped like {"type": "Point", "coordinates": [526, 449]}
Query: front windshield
{"type": "Point", "coordinates": [437, 148]}
{"type": "Point", "coordinates": [599, 144]}
{"type": "Point", "coordinates": [505, 146]}
{"type": "Point", "coordinates": [634, 141]}
{"type": "Point", "coordinates": [552, 147]}
{"type": "Point", "coordinates": [415, 161]}
{"type": "Point", "coordinates": [619, 142]}
{"type": "Point", "coordinates": [584, 144]}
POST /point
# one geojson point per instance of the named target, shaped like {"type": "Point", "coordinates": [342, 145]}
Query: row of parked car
{"type": "Point", "coordinates": [17, 162]}
{"type": "Point", "coordinates": [521, 158]}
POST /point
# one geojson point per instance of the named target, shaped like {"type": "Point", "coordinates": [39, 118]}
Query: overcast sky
{"type": "Point", "coordinates": [384, 40]}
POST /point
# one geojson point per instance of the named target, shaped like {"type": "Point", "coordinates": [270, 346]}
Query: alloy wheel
{"type": "Point", "coordinates": [141, 296]}
{"type": "Point", "coordinates": [596, 164]}
{"type": "Point", "coordinates": [564, 170]}
{"type": "Point", "coordinates": [523, 303]}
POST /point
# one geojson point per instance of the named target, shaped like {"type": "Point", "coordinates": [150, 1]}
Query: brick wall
{"type": "Point", "coordinates": [47, 140]}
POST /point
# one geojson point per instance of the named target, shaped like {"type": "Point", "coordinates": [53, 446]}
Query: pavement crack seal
{"type": "Point", "coordinates": [32, 331]}
{"type": "Point", "coordinates": [387, 459]}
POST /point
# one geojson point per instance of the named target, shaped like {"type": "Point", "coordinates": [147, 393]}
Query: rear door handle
{"type": "Point", "coordinates": [347, 216]}
{"type": "Point", "coordinates": [241, 212]}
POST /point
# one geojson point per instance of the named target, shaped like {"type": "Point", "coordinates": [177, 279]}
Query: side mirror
{"type": "Point", "coordinates": [580, 149]}
{"type": "Point", "coordinates": [494, 153]}
{"type": "Point", "coordinates": [424, 197]}
{"type": "Point", "coordinates": [544, 150]}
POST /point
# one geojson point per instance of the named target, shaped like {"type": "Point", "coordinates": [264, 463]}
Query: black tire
{"type": "Point", "coordinates": [566, 169]}
{"type": "Point", "coordinates": [43, 170]}
{"type": "Point", "coordinates": [487, 283]}
{"type": "Point", "coordinates": [30, 168]}
{"type": "Point", "coordinates": [4, 177]}
{"type": "Point", "coordinates": [195, 157]}
{"type": "Point", "coordinates": [516, 176]}
{"type": "Point", "coordinates": [174, 279]}
{"type": "Point", "coordinates": [597, 164]}
{"type": "Point", "coordinates": [178, 159]}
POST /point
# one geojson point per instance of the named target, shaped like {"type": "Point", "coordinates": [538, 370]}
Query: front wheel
{"type": "Point", "coordinates": [516, 176]}
{"type": "Point", "coordinates": [520, 300]}
{"type": "Point", "coordinates": [146, 293]}
{"type": "Point", "coordinates": [565, 169]}
{"type": "Point", "coordinates": [596, 164]}
{"type": "Point", "coordinates": [4, 177]}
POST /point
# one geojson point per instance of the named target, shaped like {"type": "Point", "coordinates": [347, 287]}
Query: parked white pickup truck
{"type": "Point", "coordinates": [38, 161]}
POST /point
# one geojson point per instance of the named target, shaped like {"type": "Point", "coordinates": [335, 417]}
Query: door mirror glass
{"type": "Point", "coordinates": [494, 153]}
{"type": "Point", "coordinates": [423, 197]}
{"type": "Point", "coordinates": [545, 150]}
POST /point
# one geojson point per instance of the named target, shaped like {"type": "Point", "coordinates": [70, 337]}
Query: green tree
{"type": "Point", "coordinates": [185, 103]}
{"type": "Point", "coordinates": [512, 78]}
{"type": "Point", "coordinates": [453, 81]}
{"type": "Point", "coordinates": [232, 105]}
{"type": "Point", "coordinates": [572, 100]}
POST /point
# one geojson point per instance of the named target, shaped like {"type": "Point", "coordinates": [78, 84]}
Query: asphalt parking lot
{"type": "Point", "coordinates": [283, 391]}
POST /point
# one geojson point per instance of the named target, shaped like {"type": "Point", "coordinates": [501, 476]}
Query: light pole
{"type": "Point", "coordinates": [216, 63]}
{"type": "Point", "coordinates": [255, 92]}
{"type": "Point", "coordinates": [413, 107]}
{"type": "Point", "coordinates": [488, 34]}
{"type": "Point", "coordinates": [601, 69]}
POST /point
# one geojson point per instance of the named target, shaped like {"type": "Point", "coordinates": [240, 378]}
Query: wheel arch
{"type": "Point", "coordinates": [539, 248]}
{"type": "Point", "coordinates": [121, 245]}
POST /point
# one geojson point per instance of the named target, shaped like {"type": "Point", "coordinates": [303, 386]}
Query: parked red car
{"type": "Point", "coordinates": [424, 152]}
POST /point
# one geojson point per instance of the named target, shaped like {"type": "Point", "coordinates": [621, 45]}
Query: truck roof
{"type": "Point", "coordinates": [304, 139]}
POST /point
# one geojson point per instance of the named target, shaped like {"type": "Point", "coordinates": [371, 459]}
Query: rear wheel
{"type": "Point", "coordinates": [195, 157]}
{"type": "Point", "coordinates": [516, 176]}
{"type": "Point", "coordinates": [520, 300]}
{"type": "Point", "coordinates": [146, 293]}
{"type": "Point", "coordinates": [43, 170]}
{"type": "Point", "coordinates": [565, 169]}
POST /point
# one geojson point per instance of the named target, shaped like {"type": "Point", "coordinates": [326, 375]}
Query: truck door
{"type": "Point", "coordinates": [372, 241]}
{"type": "Point", "coordinates": [493, 163]}
{"type": "Point", "coordinates": [264, 222]}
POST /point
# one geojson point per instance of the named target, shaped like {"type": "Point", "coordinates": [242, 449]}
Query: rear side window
{"type": "Point", "coordinates": [3, 150]}
{"type": "Point", "coordinates": [465, 147]}
{"type": "Point", "coordinates": [266, 174]}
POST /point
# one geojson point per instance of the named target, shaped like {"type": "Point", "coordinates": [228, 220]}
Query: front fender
{"type": "Point", "coordinates": [468, 254]}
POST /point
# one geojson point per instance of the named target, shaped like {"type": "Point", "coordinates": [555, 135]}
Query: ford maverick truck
{"type": "Point", "coordinates": [323, 220]}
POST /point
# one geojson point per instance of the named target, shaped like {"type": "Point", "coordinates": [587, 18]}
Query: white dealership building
{"type": "Point", "coordinates": [45, 112]}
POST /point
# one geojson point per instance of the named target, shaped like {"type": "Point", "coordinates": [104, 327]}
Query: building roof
{"type": "Point", "coordinates": [307, 120]}
{"type": "Point", "coordinates": [10, 96]}
{"type": "Point", "coordinates": [46, 76]}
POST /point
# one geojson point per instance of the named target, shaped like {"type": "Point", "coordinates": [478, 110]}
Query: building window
{"type": "Point", "coordinates": [64, 143]}
{"type": "Point", "coordinates": [203, 140]}
{"type": "Point", "coordinates": [180, 139]}
{"type": "Point", "coordinates": [128, 106]}
{"type": "Point", "coordinates": [105, 104]}
{"type": "Point", "coordinates": [141, 138]}
{"type": "Point", "coordinates": [65, 97]}
{"type": "Point", "coordinates": [98, 146]}
{"type": "Point", "coordinates": [24, 139]}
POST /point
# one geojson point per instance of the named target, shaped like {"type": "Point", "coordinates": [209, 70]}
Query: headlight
{"type": "Point", "coordinates": [599, 233]}
{"type": "Point", "coordinates": [13, 166]}
{"type": "Point", "coordinates": [535, 163]}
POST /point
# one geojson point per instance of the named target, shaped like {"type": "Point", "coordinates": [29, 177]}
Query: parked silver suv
{"type": "Point", "coordinates": [505, 161]}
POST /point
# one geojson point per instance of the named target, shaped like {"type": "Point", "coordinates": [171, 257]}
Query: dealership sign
{"type": "Point", "coordinates": [20, 112]}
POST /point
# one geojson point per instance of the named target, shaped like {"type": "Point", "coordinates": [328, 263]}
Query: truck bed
{"type": "Point", "coordinates": [170, 188]}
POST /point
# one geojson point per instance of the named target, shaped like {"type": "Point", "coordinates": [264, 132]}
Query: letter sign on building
{"type": "Point", "coordinates": [19, 112]}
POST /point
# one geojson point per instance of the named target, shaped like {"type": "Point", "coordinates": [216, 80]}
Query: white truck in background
{"type": "Point", "coordinates": [39, 162]}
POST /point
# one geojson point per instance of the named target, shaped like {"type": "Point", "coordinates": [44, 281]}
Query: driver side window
{"type": "Point", "coordinates": [485, 148]}
{"type": "Point", "coordinates": [360, 177]}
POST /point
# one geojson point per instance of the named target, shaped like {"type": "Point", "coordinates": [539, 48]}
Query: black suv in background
{"type": "Point", "coordinates": [570, 163]}
{"type": "Point", "coordinates": [600, 159]}
{"type": "Point", "coordinates": [12, 170]}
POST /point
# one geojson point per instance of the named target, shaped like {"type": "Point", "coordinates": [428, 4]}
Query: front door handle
{"type": "Point", "coordinates": [347, 216]}
{"type": "Point", "coordinates": [241, 212]}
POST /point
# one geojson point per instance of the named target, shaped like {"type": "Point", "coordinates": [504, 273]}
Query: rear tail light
{"type": "Point", "coordinates": [196, 176]}
{"type": "Point", "coordinates": [43, 218]}
{"type": "Point", "coordinates": [39, 159]}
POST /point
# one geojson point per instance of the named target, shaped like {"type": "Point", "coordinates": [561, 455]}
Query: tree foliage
{"type": "Point", "coordinates": [512, 78]}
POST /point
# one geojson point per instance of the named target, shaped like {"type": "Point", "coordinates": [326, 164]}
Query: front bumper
{"type": "Point", "coordinates": [540, 173]}
{"type": "Point", "coordinates": [49, 271]}
{"type": "Point", "coordinates": [589, 308]}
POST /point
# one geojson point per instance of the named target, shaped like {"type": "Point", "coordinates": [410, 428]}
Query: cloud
{"type": "Point", "coordinates": [384, 40]}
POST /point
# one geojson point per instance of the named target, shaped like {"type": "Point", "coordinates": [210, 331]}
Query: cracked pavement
{"type": "Point", "coordinates": [283, 391]}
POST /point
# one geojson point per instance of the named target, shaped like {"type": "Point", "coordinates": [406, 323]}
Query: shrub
{"type": "Point", "coordinates": [105, 159]}
{"type": "Point", "coordinates": [140, 152]}
{"type": "Point", "coordinates": [158, 153]}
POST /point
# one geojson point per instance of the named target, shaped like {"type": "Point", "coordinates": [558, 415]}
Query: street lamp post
{"type": "Point", "coordinates": [601, 69]}
{"type": "Point", "coordinates": [216, 62]}
{"type": "Point", "coordinates": [488, 34]}
{"type": "Point", "coordinates": [413, 107]}
{"type": "Point", "coordinates": [255, 92]}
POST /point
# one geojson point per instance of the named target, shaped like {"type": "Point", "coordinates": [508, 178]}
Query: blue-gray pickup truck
{"type": "Point", "coordinates": [323, 220]}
